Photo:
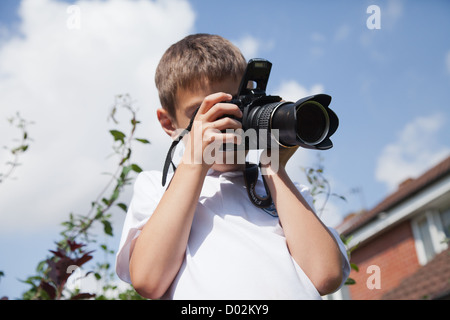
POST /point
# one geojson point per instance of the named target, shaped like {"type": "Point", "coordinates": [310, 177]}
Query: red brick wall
{"type": "Point", "coordinates": [393, 252]}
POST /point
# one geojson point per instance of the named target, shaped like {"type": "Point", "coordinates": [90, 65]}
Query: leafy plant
{"type": "Point", "coordinates": [50, 282]}
{"type": "Point", "coordinates": [353, 266]}
{"type": "Point", "coordinates": [51, 285]}
{"type": "Point", "coordinates": [20, 147]}
{"type": "Point", "coordinates": [321, 186]}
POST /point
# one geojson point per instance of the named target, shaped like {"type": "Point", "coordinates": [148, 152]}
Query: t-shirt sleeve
{"type": "Point", "coordinates": [345, 262]}
{"type": "Point", "coordinates": [146, 195]}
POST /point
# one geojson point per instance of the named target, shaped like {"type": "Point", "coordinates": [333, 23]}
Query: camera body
{"type": "Point", "coordinates": [308, 123]}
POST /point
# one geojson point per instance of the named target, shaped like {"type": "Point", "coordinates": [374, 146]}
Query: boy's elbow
{"type": "Point", "coordinates": [328, 281]}
{"type": "Point", "coordinates": [147, 283]}
{"type": "Point", "coordinates": [148, 292]}
{"type": "Point", "coordinates": [147, 289]}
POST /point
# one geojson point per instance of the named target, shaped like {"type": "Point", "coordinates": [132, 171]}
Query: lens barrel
{"type": "Point", "coordinates": [308, 123]}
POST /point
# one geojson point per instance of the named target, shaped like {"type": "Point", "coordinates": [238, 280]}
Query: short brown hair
{"type": "Point", "coordinates": [194, 61]}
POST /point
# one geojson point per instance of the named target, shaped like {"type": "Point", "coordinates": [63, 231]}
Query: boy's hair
{"type": "Point", "coordinates": [193, 62]}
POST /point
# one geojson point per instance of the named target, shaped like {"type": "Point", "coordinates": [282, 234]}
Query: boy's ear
{"type": "Point", "coordinates": [166, 121]}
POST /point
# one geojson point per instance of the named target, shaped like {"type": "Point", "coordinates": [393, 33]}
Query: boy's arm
{"type": "Point", "coordinates": [159, 250]}
{"type": "Point", "coordinates": [310, 242]}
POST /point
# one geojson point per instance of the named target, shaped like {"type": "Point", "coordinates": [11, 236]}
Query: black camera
{"type": "Point", "coordinates": [308, 123]}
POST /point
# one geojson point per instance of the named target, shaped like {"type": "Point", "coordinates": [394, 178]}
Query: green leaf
{"type": "Point", "coordinates": [145, 141]}
{"type": "Point", "coordinates": [350, 281]}
{"type": "Point", "coordinates": [136, 168]}
{"type": "Point", "coordinates": [118, 135]}
{"type": "Point", "coordinates": [354, 267]}
{"type": "Point", "coordinates": [22, 148]}
{"type": "Point", "coordinates": [346, 240]}
{"type": "Point", "coordinates": [123, 206]}
{"type": "Point", "coordinates": [41, 265]}
{"type": "Point", "coordinates": [107, 227]}
{"type": "Point", "coordinates": [114, 196]}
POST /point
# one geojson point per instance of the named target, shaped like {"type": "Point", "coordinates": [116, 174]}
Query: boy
{"type": "Point", "coordinates": [202, 238]}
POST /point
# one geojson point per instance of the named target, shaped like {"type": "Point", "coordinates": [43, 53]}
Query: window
{"type": "Point", "coordinates": [445, 220]}
{"type": "Point", "coordinates": [430, 230]}
{"type": "Point", "coordinates": [425, 236]}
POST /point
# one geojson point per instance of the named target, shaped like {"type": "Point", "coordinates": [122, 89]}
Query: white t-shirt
{"type": "Point", "coordinates": [235, 250]}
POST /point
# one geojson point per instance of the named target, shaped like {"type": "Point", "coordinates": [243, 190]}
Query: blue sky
{"type": "Point", "coordinates": [390, 89]}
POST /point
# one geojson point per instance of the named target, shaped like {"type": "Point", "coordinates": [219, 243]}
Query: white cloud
{"type": "Point", "coordinates": [292, 91]}
{"type": "Point", "coordinates": [252, 47]}
{"type": "Point", "coordinates": [65, 80]}
{"type": "Point", "coordinates": [415, 150]}
{"type": "Point", "coordinates": [249, 46]}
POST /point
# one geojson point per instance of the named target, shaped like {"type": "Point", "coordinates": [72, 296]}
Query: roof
{"type": "Point", "coordinates": [406, 190]}
{"type": "Point", "coordinates": [432, 281]}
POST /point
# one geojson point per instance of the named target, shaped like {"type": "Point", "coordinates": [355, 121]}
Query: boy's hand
{"type": "Point", "coordinates": [284, 154]}
{"type": "Point", "coordinates": [208, 129]}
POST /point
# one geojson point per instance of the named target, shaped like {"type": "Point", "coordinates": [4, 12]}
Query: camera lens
{"type": "Point", "coordinates": [312, 122]}
{"type": "Point", "coordinates": [307, 123]}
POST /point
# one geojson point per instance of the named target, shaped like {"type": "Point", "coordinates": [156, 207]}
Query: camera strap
{"type": "Point", "coordinates": [171, 151]}
{"type": "Point", "coordinates": [251, 177]}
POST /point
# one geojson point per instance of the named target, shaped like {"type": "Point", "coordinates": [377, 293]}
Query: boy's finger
{"type": "Point", "coordinates": [220, 138]}
{"type": "Point", "coordinates": [223, 109]}
{"type": "Point", "coordinates": [226, 123]}
{"type": "Point", "coordinates": [212, 99]}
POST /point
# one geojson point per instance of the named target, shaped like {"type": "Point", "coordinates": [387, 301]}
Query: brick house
{"type": "Point", "coordinates": [401, 248]}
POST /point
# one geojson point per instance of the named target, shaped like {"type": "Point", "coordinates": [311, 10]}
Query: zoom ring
{"type": "Point", "coordinates": [263, 121]}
